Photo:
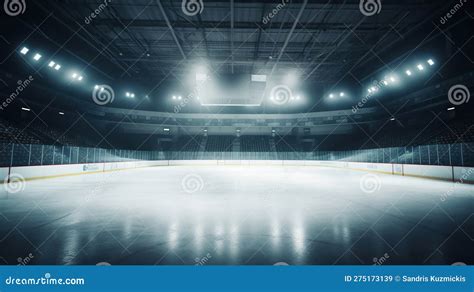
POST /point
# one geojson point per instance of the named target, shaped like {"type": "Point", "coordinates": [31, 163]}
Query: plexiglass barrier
{"type": "Point", "coordinates": [33, 155]}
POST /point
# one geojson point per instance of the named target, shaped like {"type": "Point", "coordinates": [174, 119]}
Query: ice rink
{"type": "Point", "coordinates": [237, 215]}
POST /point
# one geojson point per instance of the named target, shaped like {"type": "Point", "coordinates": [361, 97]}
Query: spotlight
{"type": "Point", "coordinates": [74, 75]}
{"type": "Point", "coordinates": [369, 90]}
{"type": "Point", "coordinates": [408, 72]}
{"type": "Point", "coordinates": [331, 95]}
{"type": "Point", "coordinates": [57, 67]}
{"type": "Point", "coordinates": [298, 97]}
{"type": "Point", "coordinates": [127, 94]}
{"type": "Point", "coordinates": [342, 94]}
{"type": "Point", "coordinates": [179, 97]}
{"type": "Point", "coordinates": [24, 51]}
{"type": "Point", "coordinates": [174, 96]}
{"type": "Point", "coordinates": [374, 89]}
{"type": "Point", "coordinates": [37, 57]}
{"type": "Point", "coordinates": [80, 78]}
{"type": "Point", "coordinates": [431, 62]}
{"type": "Point", "coordinates": [132, 95]}
{"type": "Point", "coordinates": [420, 67]}
{"type": "Point", "coordinates": [96, 87]}
{"type": "Point", "coordinates": [385, 82]}
{"type": "Point", "coordinates": [51, 64]}
{"type": "Point", "coordinates": [392, 79]}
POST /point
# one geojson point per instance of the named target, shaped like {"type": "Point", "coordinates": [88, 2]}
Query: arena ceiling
{"type": "Point", "coordinates": [154, 42]}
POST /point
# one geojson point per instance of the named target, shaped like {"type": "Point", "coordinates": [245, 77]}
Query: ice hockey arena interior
{"type": "Point", "coordinates": [231, 132]}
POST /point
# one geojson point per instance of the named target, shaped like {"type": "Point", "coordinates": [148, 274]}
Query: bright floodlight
{"type": "Point", "coordinates": [57, 67]}
{"type": "Point", "coordinates": [342, 94]}
{"type": "Point", "coordinates": [37, 57]}
{"type": "Point", "coordinates": [298, 97]}
{"type": "Point", "coordinates": [179, 97]}
{"type": "Point", "coordinates": [392, 79]}
{"type": "Point", "coordinates": [420, 67]}
{"type": "Point", "coordinates": [431, 62]}
{"type": "Point", "coordinates": [74, 75]}
{"type": "Point", "coordinates": [51, 64]}
{"type": "Point", "coordinates": [385, 82]}
{"type": "Point", "coordinates": [369, 90]}
{"type": "Point", "coordinates": [174, 96]}
{"type": "Point", "coordinates": [127, 94]}
{"type": "Point", "coordinates": [24, 51]}
{"type": "Point", "coordinates": [408, 72]}
{"type": "Point", "coordinates": [96, 87]}
{"type": "Point", "coordinates": [374, 89]}
{"type": "Point", "coordinates": [132, 95]}
{"type": "Point", "coordinates": [80, 78]}
{"type": "Point", "coordinates": [331, 95]}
